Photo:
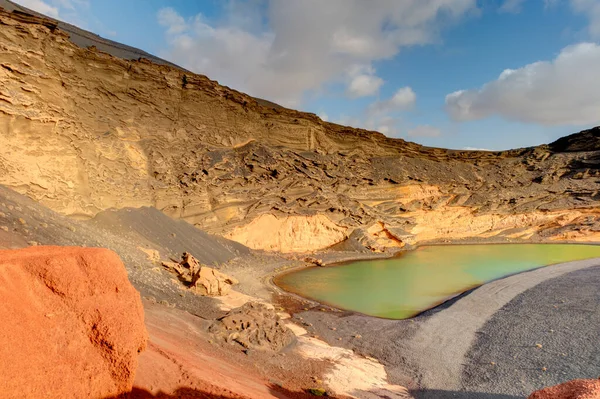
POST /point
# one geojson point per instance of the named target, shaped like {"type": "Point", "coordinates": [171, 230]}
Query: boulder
{"type": "Point", "coordinates": [201, 279]}
{"type": "Point", "coordinates": [253, 326]}
{"type": "Point", "coordinates": [72, 324]}
{"type": "Point", "coordinates": [575, 389]}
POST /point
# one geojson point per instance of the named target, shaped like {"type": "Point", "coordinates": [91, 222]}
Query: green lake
{"type": "Point", "coordinates": [404, 286]}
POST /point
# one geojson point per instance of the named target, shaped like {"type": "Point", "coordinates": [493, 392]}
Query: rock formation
{"type": "Point", "coordinates": [105, 132]}
{"type": "Point", "coordinates": [576, 389]}
{"type": "Point", "coordinates": [72, 324]}
{"type": "Point", "coordinates": [253, 326]}
{"type": "Point", "coordinates": [201, 279]}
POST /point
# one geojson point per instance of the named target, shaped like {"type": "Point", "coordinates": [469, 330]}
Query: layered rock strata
{"type": "Point", "coordinates": [82, 131]}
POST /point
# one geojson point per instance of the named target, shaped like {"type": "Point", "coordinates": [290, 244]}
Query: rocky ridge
{"type": "Point", "coordinates": [105, 132]}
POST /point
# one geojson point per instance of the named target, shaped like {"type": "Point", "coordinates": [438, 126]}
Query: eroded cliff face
{"type": "Point", "coordinates": [82, 131]}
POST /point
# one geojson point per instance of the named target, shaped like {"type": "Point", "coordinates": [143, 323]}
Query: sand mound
{"type": "Point", "coordinates": [576, 389]}
{"type": "Point", "coordinates": [253, 326]}
{"type": "Point", "coordinates": [72, 324]}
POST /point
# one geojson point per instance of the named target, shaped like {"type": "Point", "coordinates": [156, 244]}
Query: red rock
{"type": "Point", "coordinates": [575, 389]}
{"type": "Point", "coordinates": [72, 324]}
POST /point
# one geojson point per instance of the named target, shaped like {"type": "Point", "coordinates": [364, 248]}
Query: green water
{"type": "Point", "coordinates": [402, 287]}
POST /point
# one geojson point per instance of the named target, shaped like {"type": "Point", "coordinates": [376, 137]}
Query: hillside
{"type": "Point", "coordinates": [83, 131]}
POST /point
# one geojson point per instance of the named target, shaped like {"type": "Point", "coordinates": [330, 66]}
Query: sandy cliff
{"type": "Point", "coordinates": [82, 131]}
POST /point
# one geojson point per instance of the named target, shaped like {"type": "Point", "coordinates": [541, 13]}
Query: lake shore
{"type": "Point", "coordinates": [429, 352]}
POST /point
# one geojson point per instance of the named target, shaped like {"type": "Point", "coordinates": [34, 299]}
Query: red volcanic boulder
{"type": "Point", "coordinates": [576, 389]}
{"type": "Point", "coordinates": [72, 324]}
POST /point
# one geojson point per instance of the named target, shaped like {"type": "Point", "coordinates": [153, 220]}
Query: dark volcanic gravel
{"type": "Point", "coordinates": [545, 336]}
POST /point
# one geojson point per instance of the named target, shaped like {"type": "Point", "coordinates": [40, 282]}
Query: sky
{"type": "Point", "coordinates": [463, 74]}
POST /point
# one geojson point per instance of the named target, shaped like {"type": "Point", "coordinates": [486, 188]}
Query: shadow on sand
{"type": "Point", "coordinates": [438, 394]}
{"type": "Point", "coordinates": [191, 393]}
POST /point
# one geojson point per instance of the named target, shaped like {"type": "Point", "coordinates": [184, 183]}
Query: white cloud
{"type": "Point", "coordinates": [403, 99]}
{"type": "Point", "coordinates": [591, 8]}
{"type": "Point", "coordinates": [65, 10]}
{"type": "Point", "coordinates": [384, 116]}
{"type": "Point", "coordinates": [550, 3]}
{"type": "Point", "coordinates": [305, 44]}
{"type": "Point", "coordinates": [424, 131]}
{"type": "Point", "coordinates": [511, 6]}
{"type": "Point", "coordinates": [40, 6]}
{"type": "Point", "coordinates": [364, 85]}
{"type": "Point", "coordinates": [564, 91]}
{"type": "Point", "coordinates": [475, 149]}
{"type": "Point", "coordinates": [174, 22]}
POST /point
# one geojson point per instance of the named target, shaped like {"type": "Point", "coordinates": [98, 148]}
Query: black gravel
{"type": "Point", "coordinates": [545, 336]}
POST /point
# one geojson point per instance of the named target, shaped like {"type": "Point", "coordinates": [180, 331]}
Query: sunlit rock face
{"type": "Point", "coordinates": [73, 325]}
{"type": "Point", "coordinates": [83, 131]}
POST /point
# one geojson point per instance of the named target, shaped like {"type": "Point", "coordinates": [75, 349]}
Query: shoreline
{"type": "Point", "coordinates": [428, 351]}
{"type": "Point", "coordinates": [272, 276]}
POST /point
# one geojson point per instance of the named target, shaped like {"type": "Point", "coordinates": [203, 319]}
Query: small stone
{"type": "Point", "coordinates": [339, 339]}
{"type": "Point", "coordinates": [71, 228]}
{"type": "Point", "coordinates": [333, 329]}
{"type": "Point", "coordinates": [44, 225]}
{"type": "Point", "coordinates": [544, 369]}
{"type": "Point", "coordinates": [2, 215]}
{"type": "Point", "coordinates": [32, 243]}
{"type": "Point", "coordinates": [493, 363]}
{"type": "Point", "coordinates": [317, 391]}
{"type": "Point", "coordinates": [358, 336]}
{"type": "Point", "coordinates": [4, 228]}
{"type": "Point", "coordinates": [538, 346]}
{"type": "Point", "coordinates": [22, 221]}
{"type": "Point", "coordinates": [173, 235]}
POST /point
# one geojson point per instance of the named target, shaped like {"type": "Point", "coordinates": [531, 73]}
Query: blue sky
{"type": "Point", "coordinates": [490, 74]}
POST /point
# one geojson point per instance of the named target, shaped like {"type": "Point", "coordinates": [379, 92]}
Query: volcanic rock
{"type": "Point", "coordinates": [202, 279]}
{"type": "Point", "coordinates": [72, 324]}
{"type": "Point", "coordinates": [107, 132]}
{"type": "Point", "coordinates": [253, 326]}
{"type": "Point", "coordinates": [575, 389]}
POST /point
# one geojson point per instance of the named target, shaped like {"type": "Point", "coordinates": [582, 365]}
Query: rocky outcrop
{"type": "Point", "coordinates": [253, 326]}
{"type": "Point", "coordinates": [576, 389]}
{"type": "Point", "coordinates": [289, 233]}
{"type": "Point", "coordinates": [105, 132]}
{"type": "Point", "coordinates": [203, 280]}
{"type": "Point", "coordinates": [72, 324]}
